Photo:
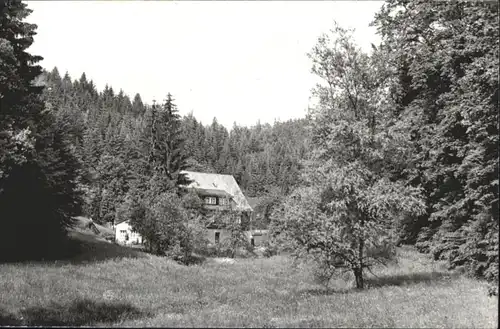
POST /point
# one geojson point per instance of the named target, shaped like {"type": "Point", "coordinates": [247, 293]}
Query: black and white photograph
{"type": "Point", "coordinates": [249, 164]}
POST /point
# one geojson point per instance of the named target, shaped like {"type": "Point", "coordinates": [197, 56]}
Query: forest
{"type": "Point", "coordinates": [107, 128]}
{"type": "Point", "coordinates": [401, 147]}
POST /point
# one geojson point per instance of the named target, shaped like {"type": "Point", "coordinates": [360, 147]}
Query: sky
{"type": "Point", "coordinates": [238, 61]}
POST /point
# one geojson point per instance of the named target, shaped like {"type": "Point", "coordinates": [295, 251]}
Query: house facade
{"type": "Point", "coordinates": [124, 234]}
{"type": "Point", "coordinates": [220, 192]}
{"type": "Point", "coordinates": [217, 192]}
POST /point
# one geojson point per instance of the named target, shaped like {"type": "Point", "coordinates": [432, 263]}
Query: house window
{"type": "Point", "coordinates": [224, 201]}
{"type": "Point", "coordinates": [124, 234]}
{"type": "Point", "coordinates": [210, 200]}
{"type": "Point", "coordinates": [217, 237]}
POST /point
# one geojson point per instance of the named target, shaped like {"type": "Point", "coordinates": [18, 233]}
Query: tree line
{"type": "Point", "coordinates": [107, 128]}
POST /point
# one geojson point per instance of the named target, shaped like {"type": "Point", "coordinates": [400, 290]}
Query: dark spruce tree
{"type": "Point", "coordinates": [137, 105]}
{"type": "Point", "coordinates": [38, 171]}
{"type": "Point", "coordinates": [153, 202]}
{"type": "Point", "coordinates": [166, 143]}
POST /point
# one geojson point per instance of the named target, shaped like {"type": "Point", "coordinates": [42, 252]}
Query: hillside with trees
{"type": "Point", "coordinates": [111, 135]}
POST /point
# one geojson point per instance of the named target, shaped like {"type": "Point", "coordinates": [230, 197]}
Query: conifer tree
{"type": "Point", "coordinates": [166, 151]}
{"type": "Point", "coordinates": [137, 105]}
{"type": "Point", "coordinates": [153, 199]}
{"type": "Point", "coordinates": [38, 169]}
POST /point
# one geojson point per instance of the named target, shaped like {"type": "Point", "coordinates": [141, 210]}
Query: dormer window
{"type": "Point", "coordinates": [210, 200]}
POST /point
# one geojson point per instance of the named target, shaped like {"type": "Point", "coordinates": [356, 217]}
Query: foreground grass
{"type": "Point", "coordinates": [142, 290]}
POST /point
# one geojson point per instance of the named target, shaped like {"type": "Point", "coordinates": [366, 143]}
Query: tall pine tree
{"type": "Point", "coordinates": [38, 169]}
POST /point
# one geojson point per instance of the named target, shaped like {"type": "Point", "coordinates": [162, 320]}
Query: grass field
{"type": "Point", "coordinates": [136, 289]}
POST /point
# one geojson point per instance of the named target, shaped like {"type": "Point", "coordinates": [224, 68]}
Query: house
{"type": "Point", "coordinates": [217, 192]}
{"type": "Point", "coordinates": [124, 234]}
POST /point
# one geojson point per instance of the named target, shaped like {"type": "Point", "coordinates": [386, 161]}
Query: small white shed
{"type": "Point", "coordinates": [124, 234]}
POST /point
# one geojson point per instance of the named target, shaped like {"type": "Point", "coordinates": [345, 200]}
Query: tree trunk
{"type": "Point", "coordinates": [232, 251]}
{"type": "Point", "coordinates": [358, 274]}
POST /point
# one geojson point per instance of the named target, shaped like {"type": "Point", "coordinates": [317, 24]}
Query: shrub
{"type": "Point", "coordinates": [199, 239]}
{"type": "Point", "coordinates": [270, 248]}
{"type": "Point", "coordinates": [163, 224]}
{"type": "Point", "coordinates": [237, 239]}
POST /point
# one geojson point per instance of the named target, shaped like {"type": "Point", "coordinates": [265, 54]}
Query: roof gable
{"type": "Point", "coordinates": [206, 181]}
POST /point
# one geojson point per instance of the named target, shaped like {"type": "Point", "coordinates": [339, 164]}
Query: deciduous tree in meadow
{"type": "Point", "coordinates": [344, 213]}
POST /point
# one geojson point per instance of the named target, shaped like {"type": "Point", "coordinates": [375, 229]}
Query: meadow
{"type": "Point", "coordinates": [104, 284]}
